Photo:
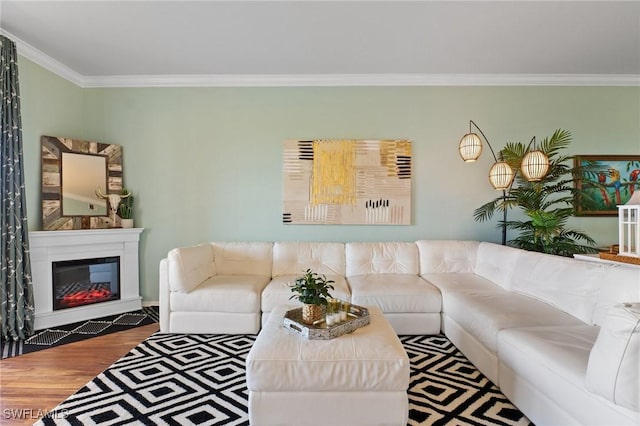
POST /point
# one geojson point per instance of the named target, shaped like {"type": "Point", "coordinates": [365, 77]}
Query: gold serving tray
{"type": "Point", "coordinates": [358, 317]}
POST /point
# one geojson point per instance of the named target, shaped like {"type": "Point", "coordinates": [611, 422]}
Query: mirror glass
{"type": "Point", "coordinates": [83, 174]}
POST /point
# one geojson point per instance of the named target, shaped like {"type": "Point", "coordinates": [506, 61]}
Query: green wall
{"type": "Point", "coordinates": [205, 163]}
{"type": "Point", "coordinates": [50, 106]}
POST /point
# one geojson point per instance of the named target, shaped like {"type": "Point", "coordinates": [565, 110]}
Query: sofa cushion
{"type": "Point", "coordinates": [614, 361]}
{"type": "Point", "coordinates": [620, 284]}
{"type": "Point", "coordinates": [456, 283]}
{"type": "Point", "coordinates": [243, 258]}
{"type": "Point", "coordinates": [190, 266]}
{"type": "Point", "coordinates": [278, 291]}
{"type": "Point", "coordinates": [382, 258]}
{"type": "Point", "coordinates": [568, 284]}
{"type": "Point", "coordinates": [222, 293]}
{"type": "Point", "coordinates": [447, 256]}
{"type": "Point", "coordinates": [290, 258]}
{"type": "Point", "coordinates": [483, 314]}
{"type": "Point", "coordinates": [496, 263]}
{"type": "Point", "coordinates": [394, 293]}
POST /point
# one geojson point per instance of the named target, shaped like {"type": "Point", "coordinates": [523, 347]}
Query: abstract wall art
{"type": "Point", "coordinates": [347, 182]}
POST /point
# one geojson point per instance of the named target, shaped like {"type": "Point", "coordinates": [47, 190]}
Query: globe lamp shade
{"type": "Point", "coordinates": [470, 147]}
{"type": "Point", "coordinates": [535, 165]}
{"type": "Point", "coordinates": [501, 175]}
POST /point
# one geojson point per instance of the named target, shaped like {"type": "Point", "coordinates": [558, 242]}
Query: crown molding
{"type": "Point", "coordinates": [301, 80]}
{"type": "Point", "coordinates": [318, 80]}
{"type": "Point", "coordinates": [44, 60]}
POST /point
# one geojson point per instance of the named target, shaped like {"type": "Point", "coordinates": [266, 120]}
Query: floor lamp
{"type": "Point", "coordinates": [534, 166]}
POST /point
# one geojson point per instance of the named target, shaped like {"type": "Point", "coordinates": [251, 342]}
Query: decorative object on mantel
{"type": "Point", "coordinates": [359, 182]}
{"type": "Point", "coordinates": [312, 290]}
{"type": "Point", "coordinates": [534, 165]}
{"type": "Point", "coordinates": [125, 209]}
{"type": "Point", "coordinates": [547, 202]}
{"type": "Point", "coordinates": [71, 171]}
{"type": "Point", "coordinates": [609, 181]}
{"type": "Point", "coordinates": [629, 227]}
{"type": "Point", "coordinates": [114, 201]}
{"type": "Point", "coordinates": [358, 316]}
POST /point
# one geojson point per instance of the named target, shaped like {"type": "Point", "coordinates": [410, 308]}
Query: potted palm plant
{"type": "Point", "coordinates": [312, 290]}
{"type": "Point", "coordinates": [547, 204]}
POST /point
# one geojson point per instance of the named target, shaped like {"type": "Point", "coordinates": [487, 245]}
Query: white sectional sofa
{"type": "Point", "coordinates": [551, 332]}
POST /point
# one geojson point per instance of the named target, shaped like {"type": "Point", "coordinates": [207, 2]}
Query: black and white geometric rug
{"type": "Point", "coordinates": [179, 379]}
{"type": "Point", "coordinates": [61, 335]}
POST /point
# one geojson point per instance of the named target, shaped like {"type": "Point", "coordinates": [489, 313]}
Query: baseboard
{"type": "Point", "coordinates": [147, 303]}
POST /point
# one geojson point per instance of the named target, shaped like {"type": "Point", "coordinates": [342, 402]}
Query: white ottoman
{"type": "Point", "coordinates": [356, 379]}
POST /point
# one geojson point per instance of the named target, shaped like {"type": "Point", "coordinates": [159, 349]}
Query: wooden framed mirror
{"type": "Point", "coordinates": [72, 170]}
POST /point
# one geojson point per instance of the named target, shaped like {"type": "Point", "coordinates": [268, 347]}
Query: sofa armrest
{"type": "Point", "coordinates": [190, 266]}
{"type": "Point", "coordinates": [614, 360]}
{"type": "Point", "coordinates": [164, 295]}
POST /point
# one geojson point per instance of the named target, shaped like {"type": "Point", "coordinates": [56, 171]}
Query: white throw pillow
{"type": "Point", "coordinates": [614, 362]}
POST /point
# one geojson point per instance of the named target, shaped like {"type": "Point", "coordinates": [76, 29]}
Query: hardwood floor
{"type": "Point", "coordinates": [31, 385]}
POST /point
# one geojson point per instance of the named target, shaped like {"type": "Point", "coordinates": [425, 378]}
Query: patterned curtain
{"type": "Point", "coordinates": [16, 291]}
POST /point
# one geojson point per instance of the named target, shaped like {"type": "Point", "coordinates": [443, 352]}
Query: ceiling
{"type": "Point", "coordinates": [106, 42]}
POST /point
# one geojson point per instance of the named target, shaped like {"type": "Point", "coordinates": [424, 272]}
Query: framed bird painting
{"type": "Point", "coordinates": [607, 181]}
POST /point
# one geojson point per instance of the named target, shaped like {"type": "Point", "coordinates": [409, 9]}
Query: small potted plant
{"type": "Point", "coordinates": [312, 290]}
{"type": "Point", "coordinates": [125, 209]}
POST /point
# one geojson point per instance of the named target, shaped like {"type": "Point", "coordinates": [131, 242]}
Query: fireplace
{"type": "Point", "coordinates": [82, 282]}
{"type": "Point", "coordinates": [106, 258]}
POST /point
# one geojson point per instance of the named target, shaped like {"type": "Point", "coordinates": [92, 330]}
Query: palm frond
{"type": "Point", "coordinates": [561, 139]}
{"type": "Point", "coordinates": [486, 211]}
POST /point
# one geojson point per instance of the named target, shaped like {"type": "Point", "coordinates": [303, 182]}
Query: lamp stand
{"type": "Point", "coordinates": [504, 191]}
{"type": "Point", "coordinates": [504, 218]}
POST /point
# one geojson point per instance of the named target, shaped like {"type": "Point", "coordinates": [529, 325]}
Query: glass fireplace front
{"type": "Point", "coordinates": [85, 281]}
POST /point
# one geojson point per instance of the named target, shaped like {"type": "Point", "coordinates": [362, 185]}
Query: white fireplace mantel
{"type": "Point", "coordinates": [53, 246]}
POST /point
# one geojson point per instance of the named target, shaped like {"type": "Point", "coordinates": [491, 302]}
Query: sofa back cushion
{"type": "Point", "coordinates": [568, 284]}
{"type": "Point", "coordinates": [190, 266]}
{"type": "Point", "coordinates": [446, 256]}
{"type": "Point", "coordinates": [620, 284]}
{"type": "Point", "coordinates": [496, 263]}
{"type": "Point", "coordinates": [613, 369]}
{"type": "Point", "coordinates": [243, 258]}
{"type": "Point", "coordinates": [382, 258]}
{"type": "Point", "coordinates": [293, 258]}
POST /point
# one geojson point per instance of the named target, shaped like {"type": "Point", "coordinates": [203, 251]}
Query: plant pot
{"type": "Point", "coordinates": [311, 313]}
{"type": "Point", "coordinates": [127, 223]}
